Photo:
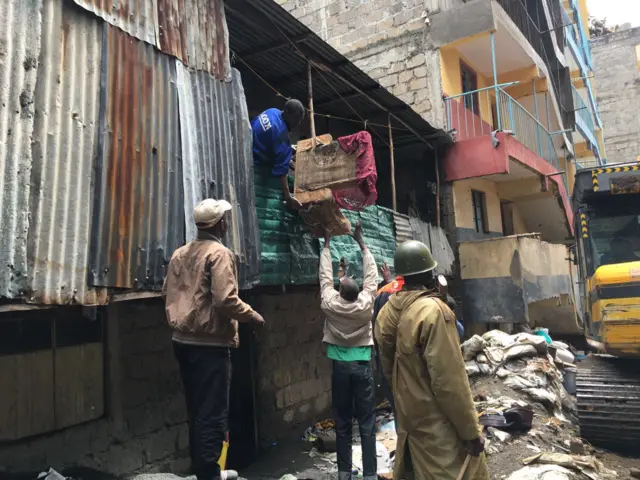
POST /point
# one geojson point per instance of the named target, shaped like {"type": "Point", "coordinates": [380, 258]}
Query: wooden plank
{"type": "Point", "coordinates": [79, 388]}
{"type": "Point", "coordinates": [26, 395]}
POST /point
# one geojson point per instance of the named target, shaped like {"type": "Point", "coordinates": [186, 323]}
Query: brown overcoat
{"type": "Point", "coordinates": [420, 354]}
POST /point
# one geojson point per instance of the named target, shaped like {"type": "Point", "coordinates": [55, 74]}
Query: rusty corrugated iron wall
{"type": "Point", "coordinates": [92, 193]}
{"type": "Point", "coordinates": [138, 209]}
{"type": "Point", "coordinates": [136, 17]}
{"type": "Point", "coordinates": [19, 50]}
{"type": "Point", "coordinates": [67, 105]}
{"type": "Point", "coordinates": [195, 31]}
{"type": "Point", "coordinates": [218, 161]}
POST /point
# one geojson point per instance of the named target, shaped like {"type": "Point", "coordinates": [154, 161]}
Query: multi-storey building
{"type": "Point", "coordinates": [510, 80]}
{"type": "Point", "coordinates": [616, 59]}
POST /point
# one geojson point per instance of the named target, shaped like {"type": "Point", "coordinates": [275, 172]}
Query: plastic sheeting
{"type": "Point", "coordinates": [290, 255]}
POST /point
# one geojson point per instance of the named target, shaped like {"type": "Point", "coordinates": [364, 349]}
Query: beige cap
{"type": "Point", "coordinates": [209, 212]}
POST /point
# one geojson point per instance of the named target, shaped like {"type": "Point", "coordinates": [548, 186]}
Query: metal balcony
{"type": "Point", "coordinates": [465, 115]}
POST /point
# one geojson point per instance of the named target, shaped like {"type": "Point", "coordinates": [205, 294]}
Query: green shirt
{"type": "Point", "coordinates": [349, 354]}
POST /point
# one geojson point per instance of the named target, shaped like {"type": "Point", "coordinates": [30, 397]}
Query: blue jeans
{"type": "Point", "coordinates": [353, 395]}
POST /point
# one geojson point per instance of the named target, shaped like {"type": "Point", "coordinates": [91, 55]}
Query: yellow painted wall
{"type": "Point", "coordinates": [584, 16]}
{"type": "Point", "coordinates": [571, 172]}
{"type": "Point", "coordinates": [450, 59]}
{"type": "Point", "coordinates": [463, 203]}
{"type": "Point", "coordinates": [638, 55]}
{"type": "Point", "coordinates": [519, 226]}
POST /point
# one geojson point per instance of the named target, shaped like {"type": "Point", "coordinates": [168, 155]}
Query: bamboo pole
{"type": "Point", "coordinates": [394, 200]}
{"type": "Point", "coordinates": [312, 120]}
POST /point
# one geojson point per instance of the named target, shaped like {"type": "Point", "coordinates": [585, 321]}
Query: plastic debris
{"type": "Point", "coordinates": [472, 347]}
{"type": "Point", "coordinates": [542, 472]}
{"type": "Point", "coordinates": [51, 474]}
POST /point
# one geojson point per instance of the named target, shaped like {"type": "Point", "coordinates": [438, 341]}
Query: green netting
{"type": "Point", "coordinates": [289, 252]}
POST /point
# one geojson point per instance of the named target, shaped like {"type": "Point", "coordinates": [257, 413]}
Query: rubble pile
{"type": "Point", "coordinates": [518, 382]}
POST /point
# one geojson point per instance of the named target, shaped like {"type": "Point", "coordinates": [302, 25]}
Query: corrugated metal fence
{"type": "Point", "coordinates": [93, 136]}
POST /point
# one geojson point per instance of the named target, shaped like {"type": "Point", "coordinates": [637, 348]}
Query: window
{"type": "Point", "coordinates": [469, 80]}
{"type": "Point", "coordinates": [614, 238]}
{"type": "Point", "coordinates": [479, 211]}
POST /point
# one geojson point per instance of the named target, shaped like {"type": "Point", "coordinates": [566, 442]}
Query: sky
{"type": "Point", "coordinates": [616, 11]}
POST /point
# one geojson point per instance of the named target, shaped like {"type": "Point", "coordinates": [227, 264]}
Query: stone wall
{"type": "Point", "coordinates": [387, 39]}
{"type": "Point", "coordinates": [617, 83]}
{"type": "Point", "coordinates": [146, 416]}
{"type": "Point", "coordinates": [294, 375]}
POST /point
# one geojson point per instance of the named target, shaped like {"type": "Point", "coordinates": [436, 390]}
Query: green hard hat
{"type": "Point", "coordinates": [413, 257]}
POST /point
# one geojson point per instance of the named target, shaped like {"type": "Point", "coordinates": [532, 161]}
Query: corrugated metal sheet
{"type": "Point", "coordinates": [208, 37]}
{"type": "Point", "coordinates": [195, 31]}
{"type": "Point", "coordinates": [136, 17]}
{"type": "Point", "coordinates": [403, 227]}
{"type": "Point", "coordinates": [19, 50]}
{"type": "Point", "coordinates": [138, 211]}
{"type": "Point", "coordinates": [217, 160]}
{"type": "Point", "coordinates": [172, 28]}
{"type": "Point", "coordinates": [67, 104]}
{"type": "Point", "coordinates": [436, 239]}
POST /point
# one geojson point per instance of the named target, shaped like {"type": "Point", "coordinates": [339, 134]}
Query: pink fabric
{"type": "Point", "coordinates": [364, 194]}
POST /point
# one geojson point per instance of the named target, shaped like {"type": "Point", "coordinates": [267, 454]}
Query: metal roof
{"type": "Point", "coordinates": [272, 42]}
{"type": "Point", "coordinates": [67, 104]}
{"type": "Point", "coordinates": [217, 161]}
{"type": "Point", "coordinates": [138, 209]}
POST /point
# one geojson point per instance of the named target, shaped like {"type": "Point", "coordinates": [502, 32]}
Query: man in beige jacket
{"type": "Point", "coordinates": [348, 335]}
{"type": "Point", "coordinates": [203, 309]}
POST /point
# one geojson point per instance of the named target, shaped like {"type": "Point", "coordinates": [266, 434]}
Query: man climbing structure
{"type": "Point", "coordinates": [272, 144]}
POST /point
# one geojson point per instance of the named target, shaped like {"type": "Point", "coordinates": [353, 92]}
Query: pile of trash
{"type": "Point", "coordinates": [322, 439]}
{"type": "Point", "coordinates": [529, 363]}
{"type": "Point", "coordinates": [523, 388]}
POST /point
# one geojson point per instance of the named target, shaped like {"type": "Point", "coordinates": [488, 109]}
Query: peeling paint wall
{"type": "Point", "coordinates": [502, 277]}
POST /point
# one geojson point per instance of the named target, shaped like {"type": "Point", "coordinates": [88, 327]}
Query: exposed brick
{"type": "Point", "coordinates": [418, 84]}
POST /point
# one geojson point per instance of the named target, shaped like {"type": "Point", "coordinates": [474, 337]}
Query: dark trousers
{"type": "Point", "coordinates": [206, 376]}
{"type": "Point", "coordinates": [353, 395]}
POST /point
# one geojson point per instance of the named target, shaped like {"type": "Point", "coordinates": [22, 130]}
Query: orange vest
{"type": "Point", "coordinates": [392, 287]}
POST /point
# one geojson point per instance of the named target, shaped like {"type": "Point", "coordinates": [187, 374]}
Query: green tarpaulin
{"type": "Point", "coordinates": [290, 255]}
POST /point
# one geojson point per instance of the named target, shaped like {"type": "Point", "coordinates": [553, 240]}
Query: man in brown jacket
{"type": "Point", "coordinates": [203, 309]}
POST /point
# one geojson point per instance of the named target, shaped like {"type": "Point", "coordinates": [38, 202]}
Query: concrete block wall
{"type": "Point", "coordinates": [387, 39]}
{"type": "Point", "coordinates": [294, 375]}
{"type": "Point", "coordinates": [146, 415]}
{"type": "Point", "coordinates": [617, 84]}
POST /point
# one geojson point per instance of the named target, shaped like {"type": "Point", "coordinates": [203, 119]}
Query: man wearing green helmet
{"type": "Point", "coordinates": [420, 353]}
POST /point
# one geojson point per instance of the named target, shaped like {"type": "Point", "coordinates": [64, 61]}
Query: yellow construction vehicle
{"type": "Point", "coordinates": [606, 206]}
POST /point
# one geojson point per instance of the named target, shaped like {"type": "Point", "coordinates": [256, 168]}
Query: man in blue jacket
{"type": "Point", "coordinates": [272, 145]}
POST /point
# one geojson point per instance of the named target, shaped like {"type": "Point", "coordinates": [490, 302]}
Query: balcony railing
{"type": "Point", "coordinates": [584, 119]}
{"type": "Point", "coordinates": [475, 114]}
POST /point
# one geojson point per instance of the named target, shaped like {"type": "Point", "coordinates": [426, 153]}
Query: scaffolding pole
{"type": "Point", "coordinates": [394, 200]}
{"type": "Point", "coordinates": [312, 120]}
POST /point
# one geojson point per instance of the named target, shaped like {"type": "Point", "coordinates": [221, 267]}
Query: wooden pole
{"type": "Point", "coordinates": [327, 69]}
{"type": "Point", "coordinates": [437, 189]}
{"type": "Point", "coordinates": [312, 121]}
{"type": "Point", "coordinates": [394, 200]}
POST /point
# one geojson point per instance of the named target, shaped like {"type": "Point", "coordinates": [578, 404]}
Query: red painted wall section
{"type": "Point", "coordinates": [475, 158]}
